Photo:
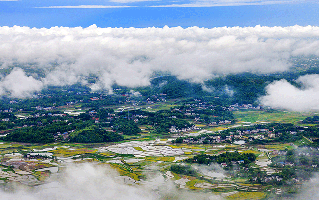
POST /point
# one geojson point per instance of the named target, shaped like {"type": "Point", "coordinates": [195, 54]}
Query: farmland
{"type": "Point", "coordinates": [161, 138]}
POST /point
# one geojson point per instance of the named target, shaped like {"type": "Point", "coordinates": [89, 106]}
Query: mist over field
{"type": "Point", "coordinates": [97, 182]}
{"type": "Point", "coordinates": [94, 182]}
{"type": "Point", "coordinates": [129, 57]}
{"type": "Point", "coordinates": [310, 189]}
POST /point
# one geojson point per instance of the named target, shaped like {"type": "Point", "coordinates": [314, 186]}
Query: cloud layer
{"type": "Point", "coordinates": [214, 3]}
{"type": "Point", "coordinates": [130, 56]}
{"type": "Point", "coordinates": [282, 94]}
{"type": "Point", "coordinates": [87, 6]}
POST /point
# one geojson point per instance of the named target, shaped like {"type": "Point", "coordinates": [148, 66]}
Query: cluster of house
{"type": "Point", "coordinates": [63, 136]}
{"type": "Point", "coordinates": [44, 108]}
{"type": "Point", "coordinates": [222, 122]}
{"type": "Point", "coordinates": [211, 139]}
{"type": "Point", "coordinates": [255, 134]}
{"type": "Point", "coordinates": [156, 98]}
{"type": "Point", "coordinates": [204, 105]}
{"type": "Point", "coordinates": [173, 129]}
{"type": "Point", "coordinates": [233, 163]}
{"type": "Point", "coordinates": [247, 135]}
{"type": "Point", "coordinates": [7, 110]}
{"type": "Point", "coordinates": [5, 119]}
{"type": "Point", "coordinates": [244, 107]}
{"type": "Point", "coordinates": [269, 179]}
{"type": "Point", "coordinates": [194, 111]}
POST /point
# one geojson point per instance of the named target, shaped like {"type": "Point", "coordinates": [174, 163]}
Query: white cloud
{"type": "Point", "coordinates": [282, 94]}
{"type": "Point", "coordinates": [130, 1]}
{"type": "Point", "coordinates": [129, 56]}
{"type": "Point", "coordinates": [86, 6]}
{"type": "Point", "coordinates": [17, 84]}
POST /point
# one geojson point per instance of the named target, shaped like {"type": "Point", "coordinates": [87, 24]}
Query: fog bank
{"type": "Point", "coordinates": [100, 182]}
{"type": "Point", "coordinates": [130, 56]}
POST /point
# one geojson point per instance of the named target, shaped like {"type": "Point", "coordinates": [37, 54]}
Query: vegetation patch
{"type": "Point", "coordinates": [191, 184]}
{"type": "Point", "coordinates": [9, 169]}
{"type": "Point", "coordinates": [71, 152]}
{"type": "Point", "coordinates": [42, 165]}
{"type": "Point", "coordinates": [126, 171]}
{"type": "Point", "coordinates": [138, 148]}
{"type": "Point", "coordinates": [163, 159]}
{"type": "Point", "coordinates": [250, 151]}
{"type": "Point", "coordinates": [279, 146]}
{"type": "Point", "coordinates": [227, 158]}
{"type": "Point", "coordinates": [303, 141]}
{"type": "Point", "coordinates": [247, 195]}
{"type": "Point", "coordinates": [4, 146]}
{"type": "Point", "coordinates": [107, 154]}
{"type": "Point", "coordinates": [266, 116]}
{"type": "Point", "coordinates": [183, 169]}
{"type": "Point", "coordinates": [42, 175]}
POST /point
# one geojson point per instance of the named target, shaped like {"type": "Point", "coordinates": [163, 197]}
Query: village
{"type": "Point", "coordinates": [140, 136]}
{"type": "Point", "coordinates": [33, 165]}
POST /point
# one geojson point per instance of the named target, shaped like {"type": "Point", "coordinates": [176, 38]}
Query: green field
{"type": "Point", "coordinates": [267, 116]}
{"type": "Point", "coordinates": [303, 141]}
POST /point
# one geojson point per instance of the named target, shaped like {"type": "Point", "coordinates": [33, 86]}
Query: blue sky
{"type": "Point", "coordinates": [138, 13]}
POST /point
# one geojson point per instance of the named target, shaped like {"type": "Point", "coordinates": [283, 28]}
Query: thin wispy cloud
{"type": "Point", "coordinates": [86, 6]}
{"type": "Point", "coordinates": [216, 3]}
{"type": "Point", "coordinates": [191, 3]}
{"type": "Point", "coordinates": [130, 1]}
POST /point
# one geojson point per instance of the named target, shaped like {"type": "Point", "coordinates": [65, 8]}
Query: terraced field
{"type": "Point", "coordinates": [132, 160]}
